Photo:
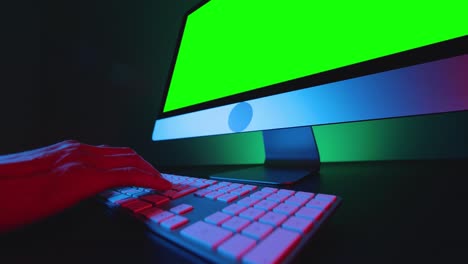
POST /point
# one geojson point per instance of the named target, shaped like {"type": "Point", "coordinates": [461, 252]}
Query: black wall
{"type": "Point", "coordinates": [87, 70]}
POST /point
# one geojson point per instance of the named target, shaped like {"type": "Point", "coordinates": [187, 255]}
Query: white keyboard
{"type": "Point", "coordinates": [227, 222]}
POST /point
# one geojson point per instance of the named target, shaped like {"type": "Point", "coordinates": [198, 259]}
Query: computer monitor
{"type": "Point", "coordinates": [279, 68]}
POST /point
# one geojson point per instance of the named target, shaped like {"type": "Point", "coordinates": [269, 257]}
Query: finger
{"type": "Point", "coordinates": [131, 176]}
{"type": "Point", "coordinates": [108, 162]}
{"type": "Point", "coordinates": [106, 150]}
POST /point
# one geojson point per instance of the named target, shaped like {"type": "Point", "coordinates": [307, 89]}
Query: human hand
{"type": "Point", "coordinates": [38, 183]}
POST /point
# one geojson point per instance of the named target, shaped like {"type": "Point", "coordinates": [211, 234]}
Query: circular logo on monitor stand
{"type": "Point", "coordinates": [240, 117]}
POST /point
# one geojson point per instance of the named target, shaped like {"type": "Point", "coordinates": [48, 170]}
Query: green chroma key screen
{"type": "Point", "coordinates": [233, 46]}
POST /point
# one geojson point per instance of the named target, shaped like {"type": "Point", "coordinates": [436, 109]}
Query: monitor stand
{"type": "Point", "coordinates": [290, 155]}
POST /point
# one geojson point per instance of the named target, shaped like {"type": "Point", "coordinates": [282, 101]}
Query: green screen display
{"type": "Point", "coordinates": [233, 46]}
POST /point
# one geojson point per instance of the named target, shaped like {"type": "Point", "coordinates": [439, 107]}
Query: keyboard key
{"type": "Point", "coordinates": [286, 209]}
{"type": "Point", "coordinates": [296, 200]}
{"type": "Point", "coordinates": [131, 191]}
{"type": "Point", "coordinates": [199, 185]}
{"type": "Point", "coordinates": [206, 234]}
{"type": "Point", "coordinates": [183, 192]}
{"type": "Point", "coordinates": [309, 213]}
{"type": "Point", "coordinates": [234, 209]}
{"type": "Point", "coordinates": [155, 199]}
{"type": "Point", "coordinates": [286, 192]}
{"type": "Point", "coordinates": [213, 195]}
{"type": "Point", "coordinates": [274, 248]}
{"type": "Point", "coordinates": [236, 224]}
{"type": "Point", "coordinates": [174, 222]}
{"type": "Point", "coordinates": [320, 204]}
{"type": "Point", "coordinates": [182, 209]}
{"type": "Point", "coordinates": [137, 206]}
{"type": "Point", "coordinates": [217, 218]}
{"type": "Point", "coordinates": [227, 198]}
{"type": "Point", "coordinates": [248, 201]}
{"type": "Point", "coordinates": [297, 224]}
{"type": "Point", "coordinates": [273, 219]}
{"type": "Point", "coordinates": [325, 197]}
{"type": "Point", "coordinates": [236, 246]}
{"type": "Point", "coordinates": [117, 198]}
{"type": "Point", "coordinates": [202, 193]}
{"type": "Point", "coordinates": [257, 230]}
{"type": "Point", "coordinates": [240, 191]}
{"type": "Point", "coordinates": [277, 198]}
{"type": "Point", "coordinates": [265, 205]}
{"type": "Point", "coordinates": [210, 182]}
{"type": "Point", "coordinates": [126, 201]}
{"type": "Point", "coordinates": [307, 195]}
{"type": "Point", "coordinates": [158, 218]}
{"type": "Point", "coordinates": [269, 190]}
{"type": "Point", "coordinates": [215, 187]}
{"type": "Point", "coordinates": [252, 213]}
{"type": "Point", "coordinates": [249, 187]}
{"type": "Point", "coordinates": [224, 183]}
{"type": "Point", "coordinates": [148, 213]}
{"type": "Point", "coordinates": [260, 195]}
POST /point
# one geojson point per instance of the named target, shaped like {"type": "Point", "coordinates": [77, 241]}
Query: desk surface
{"type": "Point", "coordinates": [391, 212]}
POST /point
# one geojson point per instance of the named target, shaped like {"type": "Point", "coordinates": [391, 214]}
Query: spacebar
{"type": "Point", "coordinates": [274, 248]}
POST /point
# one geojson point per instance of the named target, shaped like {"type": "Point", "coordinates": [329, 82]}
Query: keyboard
{"type": "Point", "coordinates": [228, 222]}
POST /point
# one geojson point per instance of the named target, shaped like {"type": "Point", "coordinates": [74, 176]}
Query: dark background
{"type": "Point", "coordinates": [87, 70]}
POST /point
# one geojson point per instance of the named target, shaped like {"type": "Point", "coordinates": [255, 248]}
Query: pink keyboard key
{"type": "Point", "coordinates": [213, 195]}
{"type": "Point", "coordinates": [116, 198]}
{"type": "Point", "coordinates": [158, 218]}
{"type": "Point", "coordinates": [273, 219]}
{"type": "Point", "coordinates": [174, 222]}
{"type": "Point", "coordinates": [298, 224]}
{"type": "Point", "coordinates": [234, 209]}
{"type": "Point", "coordinates": [269, 190]}
{"type": "Point", "coordinates": [257, 230]}
{"type": "Point", "coordinates": [321, 204]}
{"type": "Point", "coordinates": [215, 187]}
{"type": "Point", "coordinates": [217, 218]}
{"type": "Point", "coordinates": [309, 213]}
{"type": "Point", "coordinates": [148, 213]}
{"type": "Point", "coordinates": [137, 206]}
{"type": "Point", "coordinates": [206, 234]}
{"type": "Point", "coordinates": [227, 198]}
{"type": "Point", "coordinates": [248, 201]}
{"type": "Point", "coordinates": [286, 192]}
{"type": "Point", "coordinates": [265, 205]}
{"type": "Point", "coordinates": [155, 199]}
{"type": "Point", "coordinates": [202, 193]}
{"type": "Point", "coordinates": [274, 248]}
{"type": "Point", "coordinates": [126, 201]}
{"type": "Point", "coordinates": [236, 224]}
{"type": "Point", "coordinates": [296, 200]}
{"type": "Point", "coordinates": [182, 209]}
{"type": "Point", "coordinates": [236, 246]}
{"type": "Point", "coordinates": [260, 195]}
{"type": "Point", "coordinates": [240, 191]}
{"type": "Point", "coordinates": [326, 197]}
{"type": "Point", "coordinates": [183, 192]}
{"type": "Point", "coordinates": [277, 197]}
{"type": "Point", "coordinates": [286, 209]}
{"type": "Point", "coordinates": [249, 187]}
{"type": "Point", "coordinates": [307, 195]}
{"type": "Point", "coordinates": [252, 213]}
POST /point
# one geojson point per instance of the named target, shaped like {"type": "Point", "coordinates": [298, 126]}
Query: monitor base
{"type": "Point", "coordinates": [290, 154]}
{"type": "Point", "coordinates": [265, 175]}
